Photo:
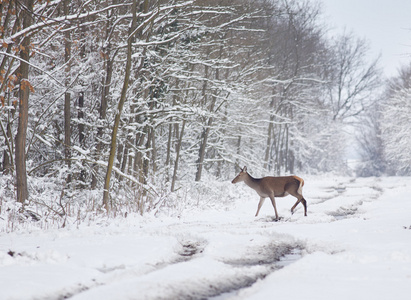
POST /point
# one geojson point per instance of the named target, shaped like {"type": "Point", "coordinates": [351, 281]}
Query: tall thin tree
{"type": "Point", "coordinates": [24, 92]}
{"type": "Point", "coordinates": [120, 106]}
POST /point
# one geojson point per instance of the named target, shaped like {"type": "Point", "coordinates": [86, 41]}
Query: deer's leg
{"type": "Point", "coordinates": [304, 202]}
{"type": "Point", "coordinates": [259, 205]}
{"type": "Point", "coordinates": [275, 208]}
{"type": "Point", "coordinates": [295, 205]}
{"type": "Point", "coordinates": [295, 191]}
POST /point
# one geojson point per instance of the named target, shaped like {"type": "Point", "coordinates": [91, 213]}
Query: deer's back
{"type": "Point", "coordinates": [279, 185]}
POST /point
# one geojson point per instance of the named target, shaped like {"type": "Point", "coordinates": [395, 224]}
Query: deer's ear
{"type": "Point", "coordinates": [245, 169]}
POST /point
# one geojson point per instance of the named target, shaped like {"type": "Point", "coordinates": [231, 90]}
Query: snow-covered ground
{"type": "Point", "coordinates": [355, 243]}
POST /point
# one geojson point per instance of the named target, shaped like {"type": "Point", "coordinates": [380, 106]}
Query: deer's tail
{"type": "Point", "coordinates": [300, 188]}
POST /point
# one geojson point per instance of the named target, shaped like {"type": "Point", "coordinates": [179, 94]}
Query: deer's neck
{"type": "Point", "coordinates": [252, 182]}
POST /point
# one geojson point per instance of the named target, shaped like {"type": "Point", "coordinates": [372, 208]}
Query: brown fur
{"type": "Point", "coordinates": [272, 187]}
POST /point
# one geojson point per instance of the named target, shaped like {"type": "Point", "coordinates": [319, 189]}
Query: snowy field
{"type": "Point", "coordinates": [355, 243]}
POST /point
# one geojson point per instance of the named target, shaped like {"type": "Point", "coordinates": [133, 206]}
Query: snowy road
{"type": "Point", "coordinates": [355, 243]}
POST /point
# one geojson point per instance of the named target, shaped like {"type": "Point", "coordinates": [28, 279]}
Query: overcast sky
{"type": "Point", "coordinates": [385, 23]}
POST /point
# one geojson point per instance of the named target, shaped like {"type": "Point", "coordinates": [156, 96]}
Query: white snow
{"type": "Point", "coordinates": [355, 243]}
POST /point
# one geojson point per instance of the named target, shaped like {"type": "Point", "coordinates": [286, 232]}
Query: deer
{"type": "Point", "coordinates": [274, 187]}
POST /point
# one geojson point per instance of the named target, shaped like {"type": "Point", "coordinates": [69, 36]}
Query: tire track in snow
{"type": "Point", "coordinates": [238, 272]}
{"type": "Point", "coordinates": [187, 250]}
{"type": "Point", "coordinates": [344, 199]}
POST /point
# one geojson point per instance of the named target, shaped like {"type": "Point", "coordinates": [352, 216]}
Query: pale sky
{"type": "Point", "coordinates": [386, 24]}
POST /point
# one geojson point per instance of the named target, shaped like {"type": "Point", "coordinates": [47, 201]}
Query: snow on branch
{"type": "Point", "coordinates": [32, 65]}
{"type": "Point", "coordinates": [64, 20]}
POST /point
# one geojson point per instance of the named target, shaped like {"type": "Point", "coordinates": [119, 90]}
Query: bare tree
{"type": "Point", "coordinates": [67, 95]}
{"type": "Point", "coordinates": [354, 79]}
{"type": "Point", "coordinates": [24, 92]}
{"type": "Point", "coordinates": [121, 102]}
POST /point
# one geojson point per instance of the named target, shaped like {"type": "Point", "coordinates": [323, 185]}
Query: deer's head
{"type": "Point", "coordinates": [240, 177]}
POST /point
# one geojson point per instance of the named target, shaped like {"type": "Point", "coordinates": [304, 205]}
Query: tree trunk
{"type": "Point", "coordinates": [170, 133]}
{"type": "Point", "coordinates": [24, 93]}
{"type": "Point", "coordinates": [102, 111]}
{"type": "Point", "coordinates": [106, 83]}
{"type": "Point", "coordinates": [8, 162]}
{"type": "Point", "coordinates": [269, 136]}
{"type": "Point", "coordinates": [146, 161]}
{"type": "Point", "coordinates": [67, 96]}
{"type": "Point", "coordinates": [124, 159]}
{"type": "Point", "coordinates": [237, 167]}
{"type": "Point", "coordinates": [121, 102]}
{"type": "Point", "coordinates": [206, 130]}
{"type": "Point", "coordinates": [138, 158]}
{"type": "Point", "coordinates": [178, 148]}
{"type": "Point", "coordinates": [168, 153]}
{"type": "Point", "coordinates": [268, 145]}
{"type": "Point", "coordinates": [201, 152]}
{"type": "Point", "coordinates": [81, 136]}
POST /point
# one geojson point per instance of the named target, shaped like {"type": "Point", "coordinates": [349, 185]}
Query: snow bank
{"type": "Point", "coordinates": [355, 243]}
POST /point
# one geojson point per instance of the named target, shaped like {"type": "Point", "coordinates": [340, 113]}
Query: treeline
{"type": "Point", "coordinates": [145, 95]}
{"type": "Point", "coordinates": [385, 136]}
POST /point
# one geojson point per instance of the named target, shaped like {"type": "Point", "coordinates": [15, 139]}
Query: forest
{"type": "Point", "coordinates": [125, 106]}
